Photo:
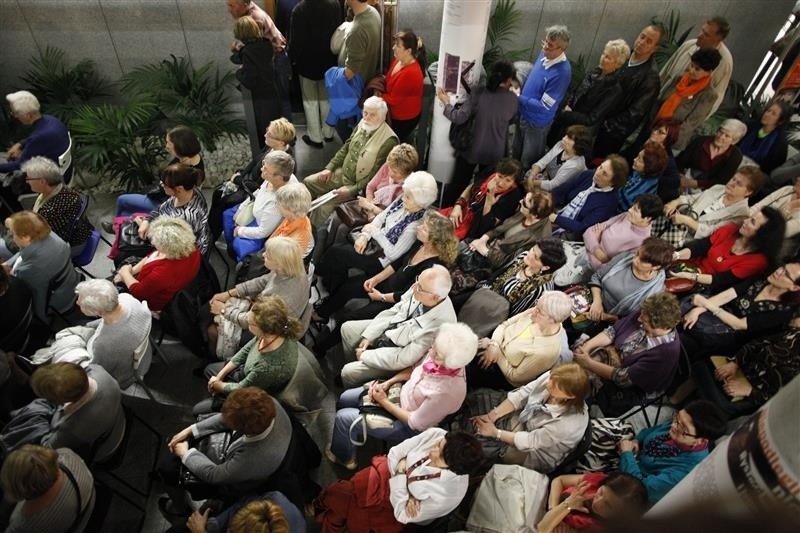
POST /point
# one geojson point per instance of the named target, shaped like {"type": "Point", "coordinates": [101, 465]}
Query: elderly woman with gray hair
{"type": "Point", "coordinates": [434, 387]}
{"type": "Point", "coordinates": [116, 341]}
{"type": "Point", "coordinates": [713, 159]}
{"type": "Point", "coordinates": [386, 238]}
{"type": "Point", "coordinates": [248, 224]}
{"type": "Point", "coordinates": [523, 347]}
{"type": "Point", "coordinates": [597, 95]}
{"type": "Point", "coordinates": [58, 204]}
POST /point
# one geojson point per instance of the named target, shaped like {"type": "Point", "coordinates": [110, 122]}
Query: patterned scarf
{"type": "Point", "coordinates": [664, 446]}
{"type": "Point", "coordinates": [531, 409]}
{"type": "Point", "coordinates": [394, 233]}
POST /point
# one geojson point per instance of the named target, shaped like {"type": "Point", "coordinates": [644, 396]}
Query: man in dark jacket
{"type": "Point", "coordinates": [640, 87]}
{"type": "Point", "coordinates": [313, 22]}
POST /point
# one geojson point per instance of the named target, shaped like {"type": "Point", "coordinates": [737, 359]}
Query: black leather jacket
{"type": "Point", "coordinates": [640, 87]}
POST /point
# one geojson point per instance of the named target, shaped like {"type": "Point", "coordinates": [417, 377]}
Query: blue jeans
{"type": "Point", "coordinates": [128, 204]}
{"type": "Point", "coordinates": [347, 413]}
{"type": "Point", "coordinates": [530, 143]}
{"type": "Point", "coordinates": [241, 246]}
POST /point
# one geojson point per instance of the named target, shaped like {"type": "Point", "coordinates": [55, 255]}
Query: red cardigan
{"type": "Point", "coordinates": [404, 91]}
{"type": "Point", "coordinates": [720, 259]}
{"type": "Point", "coordinates": [162, 279]}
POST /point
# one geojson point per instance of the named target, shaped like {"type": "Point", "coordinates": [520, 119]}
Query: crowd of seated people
{"type": "Point", "coordinates": [494, 328]}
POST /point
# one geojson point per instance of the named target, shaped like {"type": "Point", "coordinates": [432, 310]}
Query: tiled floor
{"type": "Point", "coordinates": [177, 390]}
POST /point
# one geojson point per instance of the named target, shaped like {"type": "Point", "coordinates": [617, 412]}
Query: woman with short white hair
{"type": "Point", "coordinates": [386, 238]}
{"type": "Point", "coordinates": [523, 347]}
{"type": "Point", "coordinates": [712, 159]}
{"type": "Point", "coordinates": [121, 328]}
{"type": "Point", "coordinates": [434, 388]}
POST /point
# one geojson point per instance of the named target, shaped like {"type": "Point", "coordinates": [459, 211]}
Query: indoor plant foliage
{"type": "Point", "coordinates": [197, 98]}
{"type": "Point", "coordinates": [61, 88]}
{"type": "Point", "coordinates": [504, 22]}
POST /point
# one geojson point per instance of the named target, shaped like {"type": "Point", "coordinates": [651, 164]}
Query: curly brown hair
{"type": "Point", "coordinates": [260, 516]}
{"type": "Point", "coordinates": [661, 310]}
{"type": "Point", "coordinates": [249, 410]}
{"type": "Point", "coordinates": [271, 316]}
{"type": "Point", "coordinates": [441, 235]}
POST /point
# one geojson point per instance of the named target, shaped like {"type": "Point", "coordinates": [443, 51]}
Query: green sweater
{"type": "Point", "coordinates": [270, 371]}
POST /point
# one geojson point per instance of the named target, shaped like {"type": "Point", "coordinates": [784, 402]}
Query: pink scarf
{"type": "Point", "coordinates": [429, 367]}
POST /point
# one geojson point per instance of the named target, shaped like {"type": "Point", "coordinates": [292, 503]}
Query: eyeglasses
{"type": "Point", "coordinates": [782, 272]}
{"type": "Point", "coordinates": [523, 203]}
{"type": "Point", "coordinates": [681, 427]}
{"type": "Point", "coordinates": [418, 286]}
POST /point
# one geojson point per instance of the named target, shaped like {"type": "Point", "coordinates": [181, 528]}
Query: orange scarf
{"type": "Point", "coordinates": [685, 88]}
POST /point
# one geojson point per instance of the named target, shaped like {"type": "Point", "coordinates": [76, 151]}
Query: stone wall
{"type": "Point", "coordinates": [121, 34]}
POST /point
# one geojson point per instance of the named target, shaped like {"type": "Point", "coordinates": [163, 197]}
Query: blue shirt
{"type": "Point", "coordinates": [543, 91]}
{"type": "Point", "coordinates": [49, 138]}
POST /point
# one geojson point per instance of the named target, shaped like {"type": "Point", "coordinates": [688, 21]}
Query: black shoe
{"type": "Point", "coordinates": [313, 144]}
{"type": "Point", "coordinates": [108, 227]}
{"type": "Point", "coordinates": [166, 510]}
{"type": "Point", "coordinates": [328, 139]}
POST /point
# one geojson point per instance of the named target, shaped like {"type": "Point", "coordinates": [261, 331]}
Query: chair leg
{"type": "Point", "coordinates": [147, 390]}
{"type": "Point", "coordinates": [157, 349]}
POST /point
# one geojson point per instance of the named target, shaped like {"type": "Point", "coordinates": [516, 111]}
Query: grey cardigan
{"type": "Point", "coordinates": [294, 290]}
{"type": "Point", "coordinates": [97, 426]}
{"type": "Point", "coordinates": [40, 262]}
{"type": "Point", "coordinates": [249, 458]}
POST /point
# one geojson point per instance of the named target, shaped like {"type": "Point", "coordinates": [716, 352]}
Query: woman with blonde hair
{"type": "Point", "coordinates": [53, 490]}
{"type": "Point", "coordinates": [540, 423]}
{"type": "Point", "coordinates": [286, 278]}
{"type": "Point", "coordinates": [255, 72]}
{"type": "Point", "coordinates": [166, 271]}
{"type": "Point", "coordinates": [436, 244]}
{"type": "Point", "coordinates": [43, 263]}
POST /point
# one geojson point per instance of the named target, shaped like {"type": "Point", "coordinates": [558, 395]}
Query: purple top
{"type": "Point", "coordinates": [653, 368]}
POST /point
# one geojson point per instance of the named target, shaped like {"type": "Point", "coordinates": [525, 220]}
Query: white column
{"type": "Point", "coordinates": [758, 464]}
{"type": "Point", "coordinates": [464, 27]}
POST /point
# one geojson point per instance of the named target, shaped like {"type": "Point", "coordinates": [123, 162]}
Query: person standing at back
{"type": "Point", "coordinates": [312, 24]}
{"type": "Point", "coordinates": [360, 55]}
{"type": "Point", "coordinates": [711, 35]}
{"type": "Point", "coordinates": [541, 96]}
{"type": "Point", "coordinates": [640, 86]}
{"type": "Point", "coordinates": [283, 70]}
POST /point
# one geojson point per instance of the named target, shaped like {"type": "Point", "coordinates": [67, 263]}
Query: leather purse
{"type": "Point", "coordinates": [679, 285]}
{"type": "Point", "coordinates": [352, 215]}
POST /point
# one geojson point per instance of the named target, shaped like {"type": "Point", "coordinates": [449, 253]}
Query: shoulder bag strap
{"type": "Point", "coordinates": [79, 512]}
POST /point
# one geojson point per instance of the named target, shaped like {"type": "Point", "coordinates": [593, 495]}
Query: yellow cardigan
{"type": "Point", "coordinates": [524, 358]}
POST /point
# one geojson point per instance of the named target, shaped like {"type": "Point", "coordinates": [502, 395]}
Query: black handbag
{"type": "Point", "coordinates": [460, 135]}
{"type": "Point", "coordinates": [215, 447]}
{"type": "Point", "coordinates": [130, 245]}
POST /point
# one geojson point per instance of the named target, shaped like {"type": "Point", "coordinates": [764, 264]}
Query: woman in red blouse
{"type": "Point", "coordinates": [404, 83]}
{"type": "Point", "coordinates": [166, 271]}
{"type": "Point", "coordinates": [732, 253]}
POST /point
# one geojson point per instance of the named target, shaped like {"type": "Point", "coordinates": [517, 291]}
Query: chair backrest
{"type": "Point", "coordinates": [86, 255]}
{"type": "Point", "coordinates": [144, 346]}
{"type": "Point", "coordinates": [78, 217]}
{"type": "Point", "coordinates": [568, 463]}
{"type": "Point", "coordinates": [65, 159]}
{"type": "Point", "coordinates": [17, 340]}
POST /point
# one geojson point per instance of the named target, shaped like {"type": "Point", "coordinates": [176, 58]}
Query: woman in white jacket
{"type": "Point", "coordinates": [427, 477]}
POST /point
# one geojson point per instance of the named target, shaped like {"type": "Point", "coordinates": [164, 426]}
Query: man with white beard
{"type": "Point", "coordinates": [356, 161]}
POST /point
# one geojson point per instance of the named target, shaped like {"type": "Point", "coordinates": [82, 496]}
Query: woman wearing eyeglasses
{"type": "Point", "coordinates": [751, 309]}
{"type": "Point", "coordinates": [662, 455]}
{"type": "Point", "coordinates": [636, 355]}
